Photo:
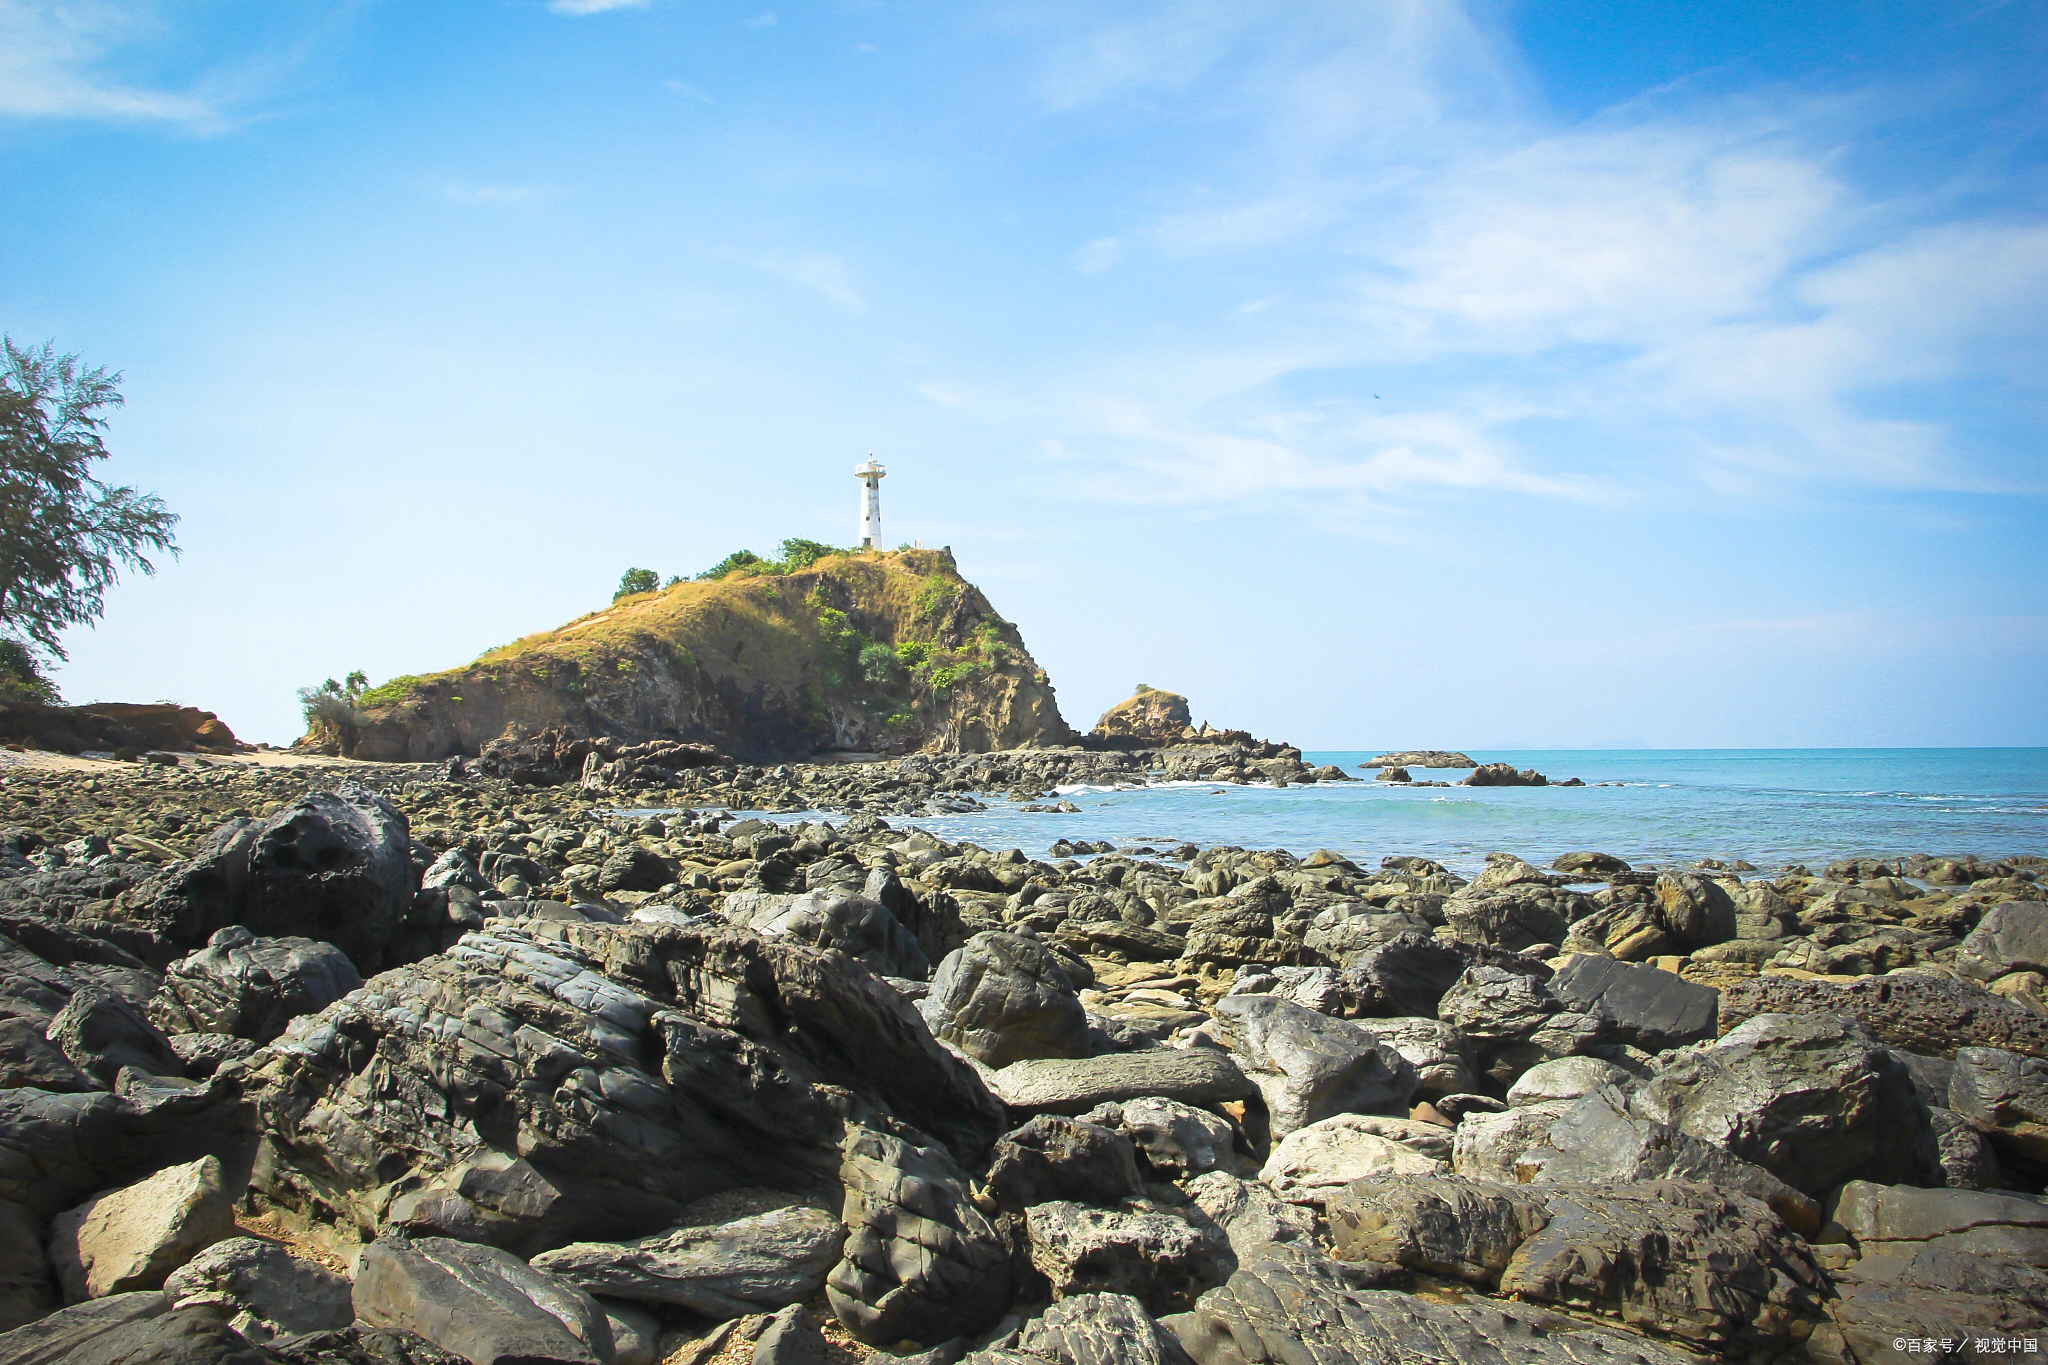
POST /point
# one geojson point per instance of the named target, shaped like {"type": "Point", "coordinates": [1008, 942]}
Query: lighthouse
{"type": "Point", "coordinates": [870, 476]}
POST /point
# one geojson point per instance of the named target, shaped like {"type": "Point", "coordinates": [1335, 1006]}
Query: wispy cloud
{"type": "Point", "coordinates": [582, 7]}
{"type": "Point", "coordinates": [825, 272]}
{"type": "Point", "coordinates": [687, 91]}
{"type": "Point", "coordinates": [1098, 255]}
{"type": "Point", "coordinates": [52, 58]}
{"type": "Point", "coordinates": [765, 19]}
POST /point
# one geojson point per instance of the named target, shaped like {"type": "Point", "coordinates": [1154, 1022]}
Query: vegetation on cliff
{"type": "Point", "coordinates": [825, 649]}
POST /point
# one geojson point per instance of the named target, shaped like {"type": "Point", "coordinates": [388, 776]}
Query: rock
{"type": "Point", "coordinates": [1053, 1158]}
{"type": "Point", "coordinates": [1160, 1260]}
{"type": "Point", "coordinates": [250, 987]}
{"type": "Point", "coordinates": [920, 1260]}
{"type": "Point", "coordinates": [863, 929]}
{"type": "Point", "coordinates": [1878, 1217]}
{"type": "Point", "coordinates": [1637, 1250]}
{"type": "Point", "coordinates": [1518, 917]}
{"type": "Point", "coordinates": [1315, 988]}
{"type": "Point", "coordinates": [1963, 1296]}
{"type": "Point", "coordinates": [1004, 998]}
{"type": "Point", "coordinates": [482, 1303]}
{"type": "Point", "coordinates": [1421, 758]}
{"type": "Point", "coordinates": [1567, 1078]}
{"type": "Point", "coordinates": [56, 1338]}
{"type": "Point", "coordinates": [2005, 1096]}
{"type": "Point", "coordinates": [1309, 1066]}
{"type": "Point", "coordinates": [1437, 1224]}
{"type": "Point", "coordinates": [1504, 775]}
{"type": "Point", "coordinates": [190, 1336]}
{"type": "Point", "coordinates": [100, 1033]}
{"type": "Point", "coordinates": [1096, 1329]}
{"type": "Point", "coordinates": [1249, 1213]}
{"type": "Point", "coordinates": [2012, 937]}
{"type": "Point", "coordinates": [791, 1338]}
{"type": "Point", "coordinates": [1650, 1008]}
{"type": "Point", "coordinates": [1196, 1076]}
{"type": "Point", "coordinates": [1487, 1146]}
{"type": "Point", "coordinates": [1434, 1049]}
{"type": "Point", "coordinates": [1511, 1022]}
{"type": "Point", "coordinates": [1173, 1140]}
{"type": "Point", "coordinates": [130, 1239]}
{"type": "Point", "coordinates": [1407, 975]}
{"type": "Point", "coordinates": [636, 1334]}
{"type": "Point", "coordinates": [1921, 1013]}
{"type": "Point", "coordinates": [727, 1270]}
{"type": "Point", "coordinates": [632, 869]}
{"type": "Point", "coordinates": [1697, 912]}
{"type": "Point", "coordinates": [24, 1269]}
{"type": "Point", "coordinates": [56, 1149]}
{"type": "Point", "coordinates": [1598, 1140]}
{"type": "Point", "coordinates": [205, 1053]}
{"type": "Point", "coordinates": [262, 1289]}
{"type": "Point", "coordinates": [1394, 775]}
{"type": "Point", "coordinates": [1815, 1100]}
{"type": "Point", "coordinates": [1588, 862]}
{"type": "Point", "coordinates": [1967, 1159]}
{"type": "Point", "coordinates": [1313, 1163]}
{"type": "Point", "coordinates": [1295, 1307]}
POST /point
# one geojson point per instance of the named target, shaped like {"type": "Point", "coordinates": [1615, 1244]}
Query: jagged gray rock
{"type": "Point", "coordinates": [1157, 1257]}
{"type": "Point", "coordinates": [263, 1290]}
{"type": "Point", "coordinates": [480, 1302]}
{"type": "Point", "coordinates": [1172, 1139]}
{"type": "Point", "coordinates": [1005, 998]}
{"type": "Point", "coordinates": [1197, 1076]}
{"type": "Point", "coordinates": [1440, 1225]}
{"type": "Point", "coordinates": [2012, 937]}
{"type": "Point", "coordinates": [726, 1270]}
{"type": "Point", "coordinates": [1815, 1100]}
{"type": "Point", "coordinates": [100, 1033]}
{"type": "Point", "coordinates": [1053, 1157]}
{"type": "Point", "coordinates": [2005, 1096]}
{"type": "Point", "coordinates": [832, 917]}
{"type": "Point", "coordinates": [131, 1238]}
{"type": "Point", "coordinates": [1511, 1022]}
{"type": "Point", "coordinates": [1650, 1008]}
{"type": "Point", "coordinates": [1309, 1066]}
{"type": "Point", "coordinates": [251, 987]}
{"type": "Point", "coordinates": [1408, 974]}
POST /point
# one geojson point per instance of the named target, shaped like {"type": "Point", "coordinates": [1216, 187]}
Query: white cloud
{"type": "Point", "coordinates": [687, 91]}
{"type": "Point", "coordinates": [493, 194]}
{"type": "Point", "coordinates": [765, 19]}
{"type": "Point", "coordinates": [50, 55]}
{"type": "Point", "coordinates": [825, 272]}
{"type": "Point", "coordinates": [582, 7]}
{"type": "Point", "coordinates": [1098, 255]}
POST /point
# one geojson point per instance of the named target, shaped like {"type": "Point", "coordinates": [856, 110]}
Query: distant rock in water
{"type": "Point", "coordinates": [1504, 775]}
{"type": "Point", "coordinates": [1420, 758]}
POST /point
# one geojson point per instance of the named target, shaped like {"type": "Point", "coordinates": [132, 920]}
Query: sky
{"type": "Point", "coordinates": [1389, 372]}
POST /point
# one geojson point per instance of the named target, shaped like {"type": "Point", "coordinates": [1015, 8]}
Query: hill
{"type": "Point", "coordinates": [887, 652]}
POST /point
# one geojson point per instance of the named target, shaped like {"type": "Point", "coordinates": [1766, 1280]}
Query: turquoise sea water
{"type": "Point", "coordinates": [1768, 806]}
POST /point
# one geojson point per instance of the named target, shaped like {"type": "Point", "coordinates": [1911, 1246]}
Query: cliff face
{"type": "Point", "coordinates": [115, 726]}
{"type": "Point", "coordinates": [880, 652]}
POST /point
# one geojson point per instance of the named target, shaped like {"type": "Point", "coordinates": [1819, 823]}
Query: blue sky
{"type": "Point", "coordinates": [1405, 373]}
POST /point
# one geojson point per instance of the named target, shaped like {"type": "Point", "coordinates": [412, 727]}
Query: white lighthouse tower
{"type": "Point", "coordinates": [870, 476]}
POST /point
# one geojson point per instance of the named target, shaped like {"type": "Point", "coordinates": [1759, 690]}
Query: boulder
{"type": "Point", "coordinates": [1487, 1146]}
{"type": "Point", "coordinates": [1815, 1100]}
{"type": "Point", "coordinates": [1005, 998]}
{"type": "Point", "coordinates": [1965, 1296]}
{"type": "Point", "coordinates": [632, 868]}
{"type": "Point", "coordinates": [481, 1303]}
{"type": "Point", "coordinates": [1436, 1051]}
{"type": "Point", "coordinates": [1697, 911]}
{"type": "Point", "coordinates": [1312, 1164]}
{"type": "Point", "coordinates": [1408, 974]}
{"type": "Point", "coordinates": [1885, 1219]}
{"type": "Point", "coordinates": [1650, 1008]}
{"type": "Point", "coordinates": [1091, 1329]}
{"type": "Point", "coordinates": [726, 1270]}
{"type": "Point", "coordinates": [1567, 1078]}
{"type": "Point", "coordinates": [2012, 937]}
{"type": "Point", "coordinates": [131, 1238]}
{"type": "Point", "coordinates": [1968, 1161]}
{"type": "Point", "coordinates": [154, 1334]}
{"type": "Point", "coordinates": [1309, 1066]}
{"type": "Point", "coordinates": [1598, 1140]}
{"type": "Point", "coordinates": [832, 917]}
{"type": "Point", "coordinates": [1172, 1140]}
{"type": "Point", "coordinates": [251, 987]}
{"type": "Point", "coordinates": [1637, 1251]}
{"type": "Point", "coordinates": [1249, 1213]}
{"type": "Point", "coordinates": [1588, 862]}
{"type": "Point", "coordinates": [1510, 1022]}
{"type": "Point", "coordinates": [920, 1260]}
{"type": "Point", "coordinates": [100, 1033]}
{"type": "Point", "coordinates": [1437, 1224]}
{"type": "Point", "coordinates": [1316, 988]}
{"type": "Point", "coordinates": [1504, 775]}
{"type": "Point", "coordinates": [24, 1269]}
{"type": "Point", "coordinates": [29, 1058]}
{"type": "Point", "coordinates": [1513, 918]}
{"type": "Point", "coordinates": [263, 1290]}
{"type": "Point", "coordinates": [2005, 1097]}
{"type": "Point", "coordinates": [56, 1149]}
{"type": "Point", "coordinates": [1057, 1158]}
{"type": "Point", "coordinates": [1161, 1260]}
{"type": "Point", "coordinates": [1293, 1306]}
{"type": "Point", "coordinates": [1922, 1013]}
{"type": "Point", "coordinates": [1196, 1076]}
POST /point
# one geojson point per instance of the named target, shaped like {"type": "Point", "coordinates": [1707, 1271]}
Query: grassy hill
{"type": "Point", "coordinates": [870, 651]}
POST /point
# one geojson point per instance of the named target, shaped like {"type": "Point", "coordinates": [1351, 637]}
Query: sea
{"type": "Point", "coordinates": [1652, 807]}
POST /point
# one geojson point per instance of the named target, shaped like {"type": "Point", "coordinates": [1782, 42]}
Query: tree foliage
{"type": "Point", "coordinates": [634, 581]}
{"type": "Point", "coordinates": [330, 708]}
{"type": "Point", "coordinates": [732, 563]}
{"type": "Point", "coordinates": [798, 553]}
{"type": "Point", "coordinates": [21, 675]}
{"type": "Point", "coordinates": [64, 535]}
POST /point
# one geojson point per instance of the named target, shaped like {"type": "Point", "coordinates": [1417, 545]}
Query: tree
{"type": "Point", "coordinates": [636, 581]}
{"type": "Point", "coordinates": [798, 553]}
{"type": "Point", "coordinates": [732, 563]}
{"type": "Point", "coordinates": [64, 535]}
{"type": "Point", "coordinates": [21, 675]}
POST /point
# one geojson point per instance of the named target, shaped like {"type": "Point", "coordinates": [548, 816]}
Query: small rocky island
{"type": "Point", "coordinates": [483, 1031]}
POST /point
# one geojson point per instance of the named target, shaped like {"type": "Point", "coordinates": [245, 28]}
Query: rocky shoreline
{"type": "Point", "coordinates": [426, 1063]}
